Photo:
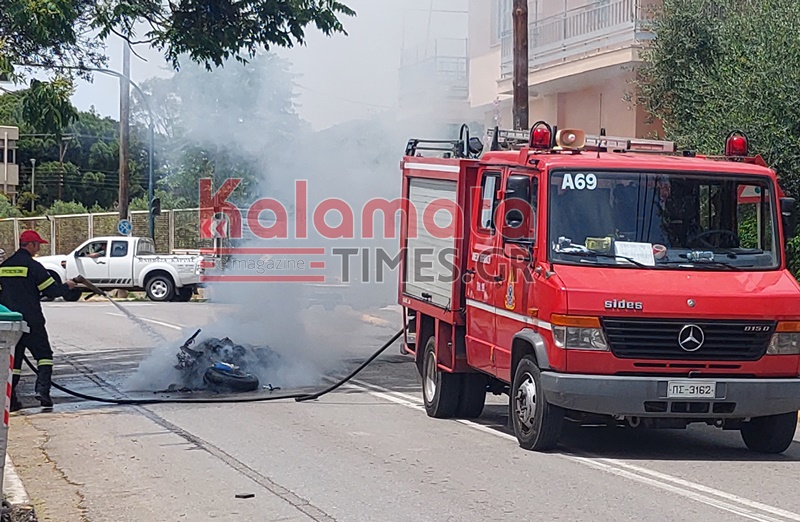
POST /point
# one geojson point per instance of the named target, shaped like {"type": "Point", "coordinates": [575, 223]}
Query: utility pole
{"type": "Point", "coordinates": [521, 65]}
{"type": "Point", "coordinates": [124, 130]}
{"type": "Point", "coordinates": [5, 163]}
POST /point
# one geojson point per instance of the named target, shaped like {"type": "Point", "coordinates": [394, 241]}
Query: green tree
{"type": "Point", "coordinates": [58, 33]}
{"type": "Point", "coordinates": [237, 122]}
{"type": "Point", "coordinates": [721, 65]}
{"type": "Point", "coordinates": [89, 149]}
{"type": "Point", "coordinates": [60, 208]}
{"type": "Point", "coordinates": [8, 210]}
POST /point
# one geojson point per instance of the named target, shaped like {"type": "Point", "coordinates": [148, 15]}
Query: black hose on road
{"type": "Point", "coordinates": [299, 397]}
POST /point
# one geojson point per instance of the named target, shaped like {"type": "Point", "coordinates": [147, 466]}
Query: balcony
{"type": "Point", "coordinates": [602, 26]}
{"type": "Point", "coordinates": [434, 71]}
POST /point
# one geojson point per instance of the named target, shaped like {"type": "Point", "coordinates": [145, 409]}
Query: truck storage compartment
{"type": "Point", "coordinates": [435, 233]}
{"type": "Point", "coordinates": [430, 255]}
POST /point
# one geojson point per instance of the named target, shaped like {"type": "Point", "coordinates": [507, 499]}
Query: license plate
{"type": "Point", "coordinates": [691, 390]}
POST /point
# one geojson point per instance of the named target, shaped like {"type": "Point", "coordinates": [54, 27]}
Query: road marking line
{"type": "Point", "coordinates": [705, 489]}
{"type": "Point", "coordinates": [663, 481]}
{"type": "Point", "coordinates": [161, 323]}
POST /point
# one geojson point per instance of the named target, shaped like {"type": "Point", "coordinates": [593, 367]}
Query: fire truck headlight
{"type": "Point", "coordinates": [786, 339]}
{"type": "Point", "coordinates": [573, 338]}
{"type": "Point", "coordinates": [784, 344]}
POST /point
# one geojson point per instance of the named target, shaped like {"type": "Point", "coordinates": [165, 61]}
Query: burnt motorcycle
{"type": "Point", "coordinates": [217, 364]}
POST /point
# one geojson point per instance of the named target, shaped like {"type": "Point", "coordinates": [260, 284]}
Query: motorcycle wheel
{"type": "Point", "coordinates": [233, 381]}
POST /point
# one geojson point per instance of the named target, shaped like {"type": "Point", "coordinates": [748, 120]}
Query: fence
{"type": "Point", "coordinates": [175, 230]}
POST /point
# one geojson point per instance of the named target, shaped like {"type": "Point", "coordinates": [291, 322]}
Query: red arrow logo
{"type": "Point", "coordinates": [221, 228]}
{"type": "Point", "coordinates": [205, 229]}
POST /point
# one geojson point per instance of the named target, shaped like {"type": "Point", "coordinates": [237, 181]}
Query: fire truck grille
{"type": "Point", "coordinates": [662, 339]}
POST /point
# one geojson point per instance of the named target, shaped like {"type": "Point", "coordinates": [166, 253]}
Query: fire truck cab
{"type": "Point", "coordinates": [595, 278]}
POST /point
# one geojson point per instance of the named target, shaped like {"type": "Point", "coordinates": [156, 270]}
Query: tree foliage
{"type": "Point", "coordinates": [71, 33]}
{"type": "Point", "coordinates": [232, 123]}
{"type": "Point", "coordinates": [46, 106]}
{"type": "Point", "coordinates": [83, 165]}
{"type": "Point", "coordinates": [722, 65]}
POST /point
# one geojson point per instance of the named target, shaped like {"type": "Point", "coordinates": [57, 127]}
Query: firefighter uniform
{"type": "Point", "coordinates": [23, 280]}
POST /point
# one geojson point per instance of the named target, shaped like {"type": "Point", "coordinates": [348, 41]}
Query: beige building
{"type": "Point", "coordinates": [9, 170]}
{"type": "Point", "coordinates": [582, 55]}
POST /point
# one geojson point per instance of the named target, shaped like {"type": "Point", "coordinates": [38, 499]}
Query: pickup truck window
{"type": "Point", "coordinates": [688, 220]}
{"type": "Point", "coordinates": [146, 248]}
{"type": "Point", "coordinates": [94, 249]}
{"type": "Point", "coordinates": [119, 248]}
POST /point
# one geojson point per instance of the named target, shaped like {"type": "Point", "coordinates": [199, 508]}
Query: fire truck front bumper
{"type": "Point", "coordinates": [672, 397]}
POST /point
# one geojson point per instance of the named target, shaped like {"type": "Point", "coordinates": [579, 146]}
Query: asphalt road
{"type": "Point", "coordinates": [365, 453]}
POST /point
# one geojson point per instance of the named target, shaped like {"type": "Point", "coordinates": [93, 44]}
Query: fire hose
{"type": "Point", "coordinates": [298, 397]}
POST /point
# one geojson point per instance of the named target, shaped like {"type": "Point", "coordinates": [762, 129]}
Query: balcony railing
{"type": "Point", "coordinates": [603, 25]}
{"type": "Point", "coordinates": [440, 69]}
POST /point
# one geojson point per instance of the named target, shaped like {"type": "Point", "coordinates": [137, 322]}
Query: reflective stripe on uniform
{"type": "Point", "coordinates": [44, 362]}
{"type": "Point", "coordinates": [14, 271]}
{"type": "Point", "coordinates": [16, 372]}
{"type": "Point", "coordinates": [47, 282]}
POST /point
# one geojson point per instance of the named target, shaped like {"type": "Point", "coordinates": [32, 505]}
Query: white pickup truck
{"type": "Point", "coordinates": [128, 263]}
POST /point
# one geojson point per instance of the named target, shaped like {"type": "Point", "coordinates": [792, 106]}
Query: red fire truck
{"type": "Point", "coordinates": [600, 279]}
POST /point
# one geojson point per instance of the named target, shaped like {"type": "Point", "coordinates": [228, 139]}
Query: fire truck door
{"type": "Point", "coordinates": [481, 272]}
{"type": "Point", "coordinates": [517, 215]}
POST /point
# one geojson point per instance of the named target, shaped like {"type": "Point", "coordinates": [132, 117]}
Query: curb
{"type": "Point", "coordinates": [13, 488]}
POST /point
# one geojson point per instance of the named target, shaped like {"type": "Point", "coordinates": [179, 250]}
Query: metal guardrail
{"type": "Point", "coordinates": [606, 24]}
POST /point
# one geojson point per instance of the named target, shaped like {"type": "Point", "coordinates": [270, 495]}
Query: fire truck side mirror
{"type": "Point", "coordinates": [789, 215]}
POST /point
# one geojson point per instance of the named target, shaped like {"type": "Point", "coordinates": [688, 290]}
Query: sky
{"type": "Point", "coordinates": [341, 77]}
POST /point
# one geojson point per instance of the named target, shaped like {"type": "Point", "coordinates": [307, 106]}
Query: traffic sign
{"type": "Point", "coordinates": [124, 227]}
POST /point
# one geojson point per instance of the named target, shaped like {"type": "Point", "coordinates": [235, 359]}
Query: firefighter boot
{"type": "Point", "coordinates": [15, 404]}
{"type": "Point", "coordinates": [43, 382]}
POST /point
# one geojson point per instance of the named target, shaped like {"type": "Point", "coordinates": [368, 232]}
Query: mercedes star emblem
{"type": "Point", "coordinates": [691, 338]}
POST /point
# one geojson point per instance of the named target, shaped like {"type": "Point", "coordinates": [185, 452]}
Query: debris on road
{"type": "Point", "coordinates": [245, 495]}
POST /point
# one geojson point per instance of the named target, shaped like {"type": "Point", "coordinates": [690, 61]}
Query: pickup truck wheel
{"type": "Point", "coordinates": [772, 434]}
{"type": "Point", "coordinates": [537, 423]}
{"type": "Point", "coordinates": [473, 396]}
{"type": "Point", "coordinates": [160, 288]}
{"type": "Point", "coordinates": [440, 390]}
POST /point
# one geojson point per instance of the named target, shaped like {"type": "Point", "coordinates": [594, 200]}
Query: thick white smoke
{"type": "Point", "coordinates": [353, 161]}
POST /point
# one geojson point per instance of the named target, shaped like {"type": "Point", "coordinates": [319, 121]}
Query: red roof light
{"type": "Point", "coordinates": [541, 136]}
{"type": "Point", "coordinates": [736, 144]}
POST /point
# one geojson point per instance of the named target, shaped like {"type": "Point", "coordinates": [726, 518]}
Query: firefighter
{"type": "Point", "coordinates": [22, 282]}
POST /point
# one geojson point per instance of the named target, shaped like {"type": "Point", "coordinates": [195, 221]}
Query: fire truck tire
{"type": "Point", "coordinates": [537, 423]}
{"type": "Point", "coordinates": [440, 390]}
{"type": "Point", "coordinates": [473, 396]}
{"type": "Point", "coordinates": [773, 434]}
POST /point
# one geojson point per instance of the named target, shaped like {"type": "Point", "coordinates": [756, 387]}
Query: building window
{"type": "Point", "coordinates": [502, 20]}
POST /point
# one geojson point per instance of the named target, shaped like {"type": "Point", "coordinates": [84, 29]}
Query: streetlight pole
{"type": "Point", "coordinates": [33, 181]}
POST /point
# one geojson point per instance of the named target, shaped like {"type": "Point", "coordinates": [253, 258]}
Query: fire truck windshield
{"type": "Point", "coordinates": [674, 220]}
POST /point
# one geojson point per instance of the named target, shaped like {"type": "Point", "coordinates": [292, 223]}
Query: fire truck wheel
{"type": "Point", "coordinates": [473, 396]}
{"type": "Point", "coordinates": [771, 434]}
{"type": "Point", "coordinates": [537, 424]}
{"type": "Point", "coordinates": [440, 390]}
